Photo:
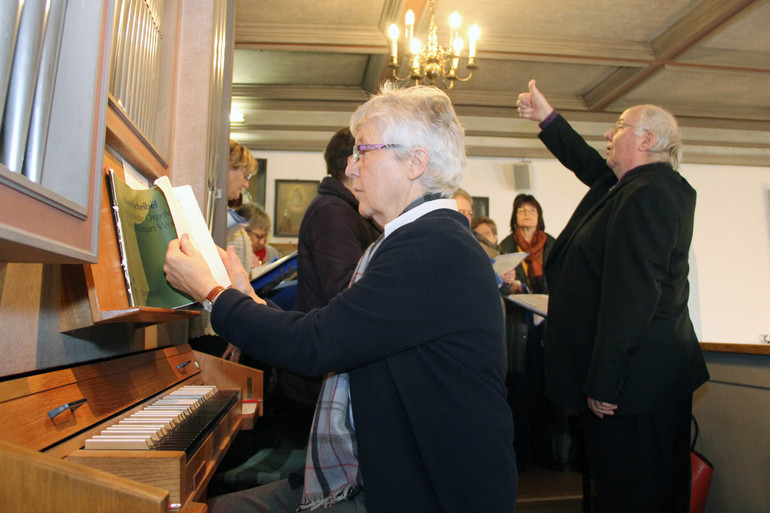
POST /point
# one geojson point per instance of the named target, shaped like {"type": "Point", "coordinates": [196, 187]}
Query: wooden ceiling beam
{"type": "Point", "coordinates": [620, 82]}
{"type": "Point", "coordinates": [701, 22]}
{"type": "Point", "coordinates": [618, 53]}
{"type": "Point", "coordinates": [698, 24]}
{"type": "Point", "coordinates": [316, 38]}
{"type": "Point", "coordinates": [251, 92]}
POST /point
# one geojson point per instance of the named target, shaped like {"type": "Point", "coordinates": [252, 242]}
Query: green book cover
{"type": "Point", "coordinates": [144, 227]}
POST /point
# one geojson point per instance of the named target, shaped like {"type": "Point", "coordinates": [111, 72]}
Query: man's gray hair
{"type": "Point", "coordinates": [463, 194]}
{"type": "Point", "coordinates": [663, 124]}
{"type": "Point", "coordinates": [418, 116]}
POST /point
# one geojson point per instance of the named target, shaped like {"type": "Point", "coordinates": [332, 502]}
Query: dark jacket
{"type": "Point", "coordinates": [332, 238]}
{"type": "Point", "coordinates": [619, 328]}
{"type": "Point", "coordinates": [518, 321]}
{"type": "Point", "coordinates": [420, 335]}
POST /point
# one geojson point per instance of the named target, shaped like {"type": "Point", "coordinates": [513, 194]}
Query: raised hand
{"type": "Point", "coordinates": [533, 105]}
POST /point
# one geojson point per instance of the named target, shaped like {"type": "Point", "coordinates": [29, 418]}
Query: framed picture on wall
{"type": "Point", "coordinates": [480, 206]}
{"type": "Point", "coordinates": [257, 185]}
{"type": "Point", "coordinates": [291, 200]}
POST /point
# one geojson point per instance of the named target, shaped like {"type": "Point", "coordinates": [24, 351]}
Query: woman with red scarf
{"type": "Point", "coordinates": [532, 412]}
{"type": "Point", "coordinates": [528, 235]}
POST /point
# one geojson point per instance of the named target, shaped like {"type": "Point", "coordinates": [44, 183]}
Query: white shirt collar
{"type": "Point", "coordinates": [417, 212]}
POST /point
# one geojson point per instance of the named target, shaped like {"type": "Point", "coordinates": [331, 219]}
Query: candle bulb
{"type": "Point", "coordinates": [454, 24]}
{"type": "Point", "coordinates": [415, 49]}
{"type": "Point", "coordinates": [473, 35]}
{"type": "Point", "coordinates": [393, 35]}
{"type": "Point", "coordinates": [409, 22]}
{"type": "Point", "coordinates": [458, 47]}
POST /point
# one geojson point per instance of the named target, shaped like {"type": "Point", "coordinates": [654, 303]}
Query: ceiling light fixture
{"type": "Point", "coordinates": [433, 64]}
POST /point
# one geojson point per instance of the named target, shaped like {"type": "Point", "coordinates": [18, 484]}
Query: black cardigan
{"type": "Point", "coordinates": [420, 334]}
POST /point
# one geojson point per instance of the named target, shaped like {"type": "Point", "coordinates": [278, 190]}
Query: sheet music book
{"type": "Point", "coordinates": [258, 271]}
{"type": "Point", "coordinates": [146, 220]}
{"type": "Point", "coordinates": [508, 262]}
{"type": "Point", "coordinates": [266, 277]}
{"type": "Point", "coordinates": [537, 303]}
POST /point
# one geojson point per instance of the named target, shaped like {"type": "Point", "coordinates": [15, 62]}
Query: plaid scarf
{"type": "Point", "coordinates": [332, 474]}
{"type": "Point", "coordinates": [331, 466]}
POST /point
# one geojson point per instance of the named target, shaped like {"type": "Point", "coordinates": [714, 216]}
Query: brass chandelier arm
{"type": "Point", "coordinates": [411, 76]}
{"type": "Point", "coordinates": [451, 76]}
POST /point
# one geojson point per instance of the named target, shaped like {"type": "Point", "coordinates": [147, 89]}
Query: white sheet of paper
{"type": "Point", "coordinates": [190, 220]}
{"type": "Point", "coordinates": [537, 303]}
{"type": "Point", "coordinates": [508, 262]}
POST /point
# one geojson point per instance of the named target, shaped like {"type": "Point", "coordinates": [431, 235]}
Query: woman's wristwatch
{"type": "Point", "coordinates": [208, 301]}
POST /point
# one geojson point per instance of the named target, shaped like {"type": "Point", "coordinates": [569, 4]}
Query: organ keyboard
{"type": "Point", "coordinates": [179, 415]}
{"type": "Point", "coordinates": [154, 425]}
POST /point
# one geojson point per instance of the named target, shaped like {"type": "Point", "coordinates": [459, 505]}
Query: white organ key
{"type": "Point", "coordinates": [169, 419]}
{"type": "Point", "coordinates": [162, 428]}
{"type": "Point", "coordinates": [117, 442]}
{"type": "Point", "coordinates": [169, 408]}
{"type": "Point", "coordinates": [199, 390]}
{"type": "Point", "coordinates": [152, 434]}
{"type": "Point", "coordinates": [179, 403]}
{"type": "Point", "coordinates": [163, 412]}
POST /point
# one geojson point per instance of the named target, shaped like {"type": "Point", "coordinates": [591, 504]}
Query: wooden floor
{"type": "Point", "coordinates": [548, 491]}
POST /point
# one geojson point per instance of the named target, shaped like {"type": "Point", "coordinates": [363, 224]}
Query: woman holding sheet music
{"type": "Point", "coordinates": [413, 416]}
{"type": "Point", "coordinates": [532, 412]}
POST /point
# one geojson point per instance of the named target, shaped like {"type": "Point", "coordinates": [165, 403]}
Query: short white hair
{"type": "Point", "coordinates": [663, 124]}
{"type": "Point", "coordinates": [419, 116]}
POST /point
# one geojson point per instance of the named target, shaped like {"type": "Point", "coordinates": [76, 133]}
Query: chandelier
{"type": "Point", "coordinates": [431, 64]}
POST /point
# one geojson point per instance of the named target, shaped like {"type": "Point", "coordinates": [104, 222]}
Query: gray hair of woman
{"type": "Point", "coordinates": [663, 124]}
{"type": "Point", "coordinates": [255, 216]}
{"type": "Point", "coordinates": [418, 116]}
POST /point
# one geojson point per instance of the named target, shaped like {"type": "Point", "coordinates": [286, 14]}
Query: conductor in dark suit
{"type": "Point", "coordinates": [620, 347]}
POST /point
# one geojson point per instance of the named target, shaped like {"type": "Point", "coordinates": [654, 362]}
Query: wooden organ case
{"type": "Point", "coordinates": [46, 418]}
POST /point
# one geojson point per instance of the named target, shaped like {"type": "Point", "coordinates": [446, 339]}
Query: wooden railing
{"type": "Point", "coordinates": [722, 347]}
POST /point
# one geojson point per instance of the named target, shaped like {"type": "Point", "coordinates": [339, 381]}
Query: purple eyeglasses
{"type": "Point", "coordinates": [363, 148]}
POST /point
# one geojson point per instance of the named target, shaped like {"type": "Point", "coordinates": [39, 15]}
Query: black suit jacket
{"type": "Point", "coordinates": [619, 328]}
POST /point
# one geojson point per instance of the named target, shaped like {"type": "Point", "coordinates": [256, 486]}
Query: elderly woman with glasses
{"type": "Point", "coordinates": [620, 347]}
{"type": "Point", "coordinates": [412, 415]}
{"type": "Point", "coordinates": [257, 228]}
